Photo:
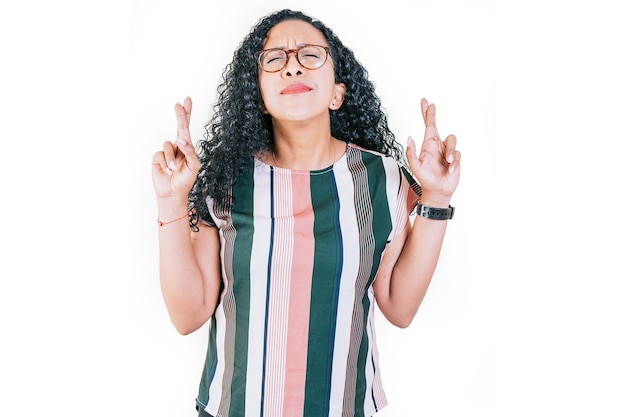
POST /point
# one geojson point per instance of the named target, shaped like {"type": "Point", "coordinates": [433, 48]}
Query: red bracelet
{"type": "Point", "coordinates": [171, 221]}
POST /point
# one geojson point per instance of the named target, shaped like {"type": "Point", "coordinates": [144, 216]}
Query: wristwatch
{"type": "Point", "coordinates": [434, 212]}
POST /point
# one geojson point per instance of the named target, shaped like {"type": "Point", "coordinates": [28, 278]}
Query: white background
{"type": "Point", "coordinates": [526, 313]}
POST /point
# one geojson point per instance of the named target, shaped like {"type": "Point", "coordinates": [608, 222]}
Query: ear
{"type": "Point", "coordinates": [338, 96]}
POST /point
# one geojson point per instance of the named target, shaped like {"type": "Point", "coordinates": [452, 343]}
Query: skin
{"type": "Point", "coordinates": [189, 262]}
{"type": "Point", "coordinates": [301, 122]}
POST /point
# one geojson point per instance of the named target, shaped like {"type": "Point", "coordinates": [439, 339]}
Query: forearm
{"type": "Point", "coordinates": [415, 267]}
{"type": "Point", "coordinates": [188, 295]}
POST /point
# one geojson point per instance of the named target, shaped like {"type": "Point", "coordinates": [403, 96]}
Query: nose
{"type": "Point", "coordinates": [293, 67]}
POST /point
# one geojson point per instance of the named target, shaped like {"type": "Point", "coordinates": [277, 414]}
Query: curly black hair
{"type": "Point", "coordinates": [239, 130]}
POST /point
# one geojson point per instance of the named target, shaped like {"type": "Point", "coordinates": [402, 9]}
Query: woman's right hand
{"type": "Point", "coordinates": [175, 168]}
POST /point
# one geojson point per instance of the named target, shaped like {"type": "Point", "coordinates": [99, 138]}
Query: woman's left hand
{"type": "Point", "coordinates": [437, 167]}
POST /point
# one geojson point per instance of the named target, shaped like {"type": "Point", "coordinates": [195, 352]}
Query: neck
{"type": "Point", "coordinates": [304, 147]}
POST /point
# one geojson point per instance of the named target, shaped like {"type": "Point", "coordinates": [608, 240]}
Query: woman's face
{"type": "Point", "coordinates": [296, 93]}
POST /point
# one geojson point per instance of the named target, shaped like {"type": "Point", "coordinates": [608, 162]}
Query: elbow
{"type": "Point", "coordinates": [399, 319]}
{"type": "Point", "coordinates": [184, 331]}
{"type": "Point", "coordinates": [187, 321]}
{"type": "Point", "coordinates": [403, 322]}
{"type": "Point", "coordinates": [403, 317]}
{"type": "Point", "coordinates": [185, 326]}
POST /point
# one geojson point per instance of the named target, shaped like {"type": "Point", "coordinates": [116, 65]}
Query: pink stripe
{"type": "Point", "coordinates": [299, 297]}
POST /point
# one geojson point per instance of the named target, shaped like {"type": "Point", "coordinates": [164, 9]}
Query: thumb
{"type": "Point", "coordinates": [411, 155]}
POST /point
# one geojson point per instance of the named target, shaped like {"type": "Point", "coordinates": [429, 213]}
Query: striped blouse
{"type": "Point", "coordinates": [293, 334]}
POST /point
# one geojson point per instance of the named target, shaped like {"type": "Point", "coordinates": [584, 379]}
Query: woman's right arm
{"type": "Point", "coordinates": [189, 262]}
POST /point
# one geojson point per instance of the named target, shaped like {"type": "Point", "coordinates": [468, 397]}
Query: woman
{"type": "Point", "coordinates": [299, 204]}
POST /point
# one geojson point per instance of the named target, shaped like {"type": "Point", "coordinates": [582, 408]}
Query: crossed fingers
{"type": "Point", "coordinates": [431, 137]}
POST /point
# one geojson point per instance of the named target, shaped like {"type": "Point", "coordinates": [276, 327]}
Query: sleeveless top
{"type": "Point", "coordinates": [293, 333]}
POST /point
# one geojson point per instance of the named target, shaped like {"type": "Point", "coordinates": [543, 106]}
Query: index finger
{"type": "Point", "coordinates": [450, 143]}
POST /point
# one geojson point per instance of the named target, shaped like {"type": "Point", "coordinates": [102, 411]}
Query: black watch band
{"type": "Point", "coordinates": [435, 213]}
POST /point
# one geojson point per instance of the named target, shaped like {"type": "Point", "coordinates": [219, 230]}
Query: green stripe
{"type": "Point", "coordinates": [324, 294]}
{"type": "Point", "coordinates": [242, 217]}
{"type": "Point", "coordinates": [381, 227]}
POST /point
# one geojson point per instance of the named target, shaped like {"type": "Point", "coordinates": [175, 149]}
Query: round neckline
{"type": "Point", "coordinates": [307, 171]}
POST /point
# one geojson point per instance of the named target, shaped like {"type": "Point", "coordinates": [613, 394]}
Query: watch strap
{"type": "Point", "coordinates": [434, 212]}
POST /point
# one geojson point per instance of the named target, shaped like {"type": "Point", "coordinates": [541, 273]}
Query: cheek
{"type": "Point", "coordinates": [328, 83]}
{"type": "Point", "coordinates": [263, 88]}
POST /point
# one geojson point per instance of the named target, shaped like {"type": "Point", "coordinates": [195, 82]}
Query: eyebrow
{"type": "Point", "coordinates": [300, 45]}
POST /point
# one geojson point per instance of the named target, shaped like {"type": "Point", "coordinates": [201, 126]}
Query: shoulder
{"type": "Point", "coordinates": [371, 155]}
{"type": "Point", "coordinates": [395, 173]}
{"type": "Point", "coordinates": [372, 160]}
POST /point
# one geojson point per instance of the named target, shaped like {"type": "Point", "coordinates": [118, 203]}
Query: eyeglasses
{"type": "Point", "coordinates": [309, 56]}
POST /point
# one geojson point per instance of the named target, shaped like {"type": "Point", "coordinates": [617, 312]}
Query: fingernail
{"type": "Point", "coordinates": [172, 165]}
{"type": "Point", "coordinates": [180, 141]}
{"type": "Point", "coordinates": [450, 158]}
{"type": "Point", "coordinates": [169, 171]}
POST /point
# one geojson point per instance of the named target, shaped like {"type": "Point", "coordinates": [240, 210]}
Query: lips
{"type": "Point", "coordinates": [296, 88]}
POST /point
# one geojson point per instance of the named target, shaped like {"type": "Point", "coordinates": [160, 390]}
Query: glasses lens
{"type": "Point", "coordinates": [311, 56]}
{"type": "Point", "coordinates": [273, 59]}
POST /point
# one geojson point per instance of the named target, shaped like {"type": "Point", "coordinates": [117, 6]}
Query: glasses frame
{"type": "Point", "coordinates": [287, 52]}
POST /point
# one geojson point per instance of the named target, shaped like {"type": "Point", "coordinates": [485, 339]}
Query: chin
{"type": "Point", "coordinates": [300, 116]}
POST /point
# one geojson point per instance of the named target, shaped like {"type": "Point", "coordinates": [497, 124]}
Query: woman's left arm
{"type": "Point", "coordinates": [409, 262]}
